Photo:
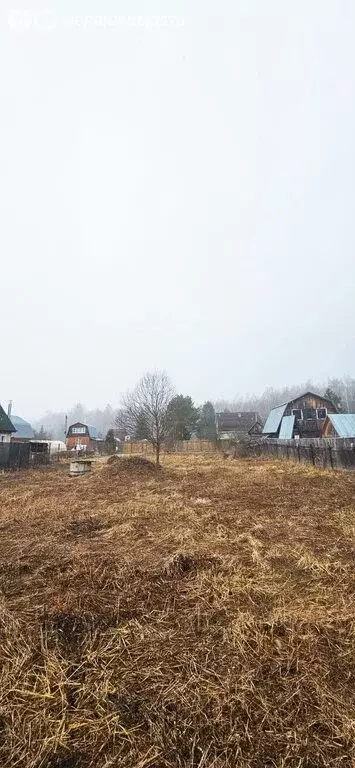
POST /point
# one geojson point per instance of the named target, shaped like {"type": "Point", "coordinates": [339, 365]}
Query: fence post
{"type": "Point", "coordinates": [331, 457]}
{"type": "Point", "coordinates": [311, 450]}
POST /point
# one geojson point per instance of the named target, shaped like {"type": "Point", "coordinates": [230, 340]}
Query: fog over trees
{"type": "Point", "coordinates": [343, 389]}
{"type": "Point", "coordinates": [53, 423]}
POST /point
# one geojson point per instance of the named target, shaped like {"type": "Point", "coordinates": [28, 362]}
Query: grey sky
{"type": "Point", "coordinates": [177, 197]}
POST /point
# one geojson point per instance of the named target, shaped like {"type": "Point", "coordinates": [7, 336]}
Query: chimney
{"type": "Point", "coordinates": [9, 408]}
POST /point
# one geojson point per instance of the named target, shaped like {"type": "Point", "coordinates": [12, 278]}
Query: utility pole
{"type": "Point", "coordinates": [65, 425]}
{"type": "Point", "coordinates": [346, 394]}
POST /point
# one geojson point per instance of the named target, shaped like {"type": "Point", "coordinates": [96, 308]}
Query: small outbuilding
{"type": "Point", "coordinates": [304, 416]}
{"type": "Point", "coordinates": [339, 425]}
{"type": "Point", "coordinates": [56, 447]}
{"type": "Point", "coordinates": [119, 434]}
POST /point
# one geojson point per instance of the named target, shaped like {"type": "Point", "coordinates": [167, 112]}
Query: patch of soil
{"type": "Point", "coordinates": [72, 629]}
{"type": "Point", "coordinates": [62, 760]}
{"type": "Point", "coordinates": [181, 564]}
{"type": "Point", "coordinates": [128, 705]}
{"type": "Point", "coordinates": [88, 526]}
{"type": "Point", "coordinates": [131, 466]}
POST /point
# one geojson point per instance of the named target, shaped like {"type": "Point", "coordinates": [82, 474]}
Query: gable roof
{"type": "Point", "coordinates": [5, 423]}
{"type": "Point", "coordinates": [23, 428]}
{"type": "Point", "coordinates": [343, 423]}
{"type": "Point", "coordinates": [274, 418]}
{"type": "Point", "coordinates": [237, 421]}
{"type": "Point", "coordinates": [313, 394]}
{"type": "Point", "coordinates": [93, 433]}
{"type": "Point", "coordinates": [119, 433]}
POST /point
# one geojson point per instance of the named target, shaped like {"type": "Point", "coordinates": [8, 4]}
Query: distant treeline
{"type": "Point", "coordinates": [342, 391]}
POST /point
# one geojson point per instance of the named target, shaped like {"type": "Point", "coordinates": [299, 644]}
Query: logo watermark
{"type": "Point", "coordinates": [46, 20]}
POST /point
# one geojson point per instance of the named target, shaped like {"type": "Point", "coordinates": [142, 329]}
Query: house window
{"type": "Point", "coordinates": [309, 413]}
{"type": "Point", "coordinates": [79, 430]}
{"type": "Point", "coordinates": [321, 413]}
{"type": "Point", "coordinates": [297, 412]}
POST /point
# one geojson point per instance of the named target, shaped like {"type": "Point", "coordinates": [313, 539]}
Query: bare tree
{"type": "Point", "coordinates": [144, 412]}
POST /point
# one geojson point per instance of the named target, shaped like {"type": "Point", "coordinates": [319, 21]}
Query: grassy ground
{"type": "Point", "coordinates": [200, 616]}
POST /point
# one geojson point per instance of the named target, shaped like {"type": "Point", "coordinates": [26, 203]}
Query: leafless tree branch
{"type": "Point", "coordinates": [145, 408]}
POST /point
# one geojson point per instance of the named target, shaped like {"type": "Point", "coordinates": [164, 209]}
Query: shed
{"type": "Point", "coordinates": [339, 425]}
{"type": "Point", "coordinates": [118, 433]}
{"type": "Point", "coordinates": [56, 447]}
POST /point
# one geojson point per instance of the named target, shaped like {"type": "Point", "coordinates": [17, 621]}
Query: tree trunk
{"type": "Point", "coordinates": [157, 454]}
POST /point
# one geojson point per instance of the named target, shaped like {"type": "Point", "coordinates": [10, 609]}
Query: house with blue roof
{"type": "Point", "coordinates": [304, 416]}
{"type": "Point", "coordinates": [23, 430]}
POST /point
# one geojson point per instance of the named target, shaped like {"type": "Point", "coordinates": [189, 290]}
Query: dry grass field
{"type": "Point", "coordinates": [200, 616]}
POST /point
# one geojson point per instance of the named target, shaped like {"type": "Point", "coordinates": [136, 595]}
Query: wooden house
{"type": "Point", "coordinates": [82, 437]}
{"type": "Point", "coordinates": [6, 427]}
{"type": "Point", "coordinates": [118, 433]}
{"type": "Point", "coordinates": [236, 425]}
{"type": "Point", "coordinates": [304, 416]}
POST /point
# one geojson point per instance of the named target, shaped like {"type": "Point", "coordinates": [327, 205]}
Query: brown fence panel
{"type": "Point", "coordinates": [4, 455]}
{"type": "Point", "coordinates": [182, 446]}
{"type": "Point", "coordinates": [14, 455]}
{"type": "Point", "coordinates": [323, 453]}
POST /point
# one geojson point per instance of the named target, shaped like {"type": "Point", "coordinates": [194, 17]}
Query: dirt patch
{"type": "Point", "coordinates": [132, 467]}
{"type": "Point", "coordinates": [64, 760]}
{"type": "Point", "coordinates": [85, 527]}
{"type": "Point", "coordinates": [181, 563]}
{"type": "Point", "coordinates": [72, 630]}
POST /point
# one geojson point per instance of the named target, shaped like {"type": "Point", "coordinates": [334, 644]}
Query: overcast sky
{"type": "Point", "coordinates": [175, 193]}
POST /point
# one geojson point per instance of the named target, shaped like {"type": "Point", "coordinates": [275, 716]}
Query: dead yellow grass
{"type": "Point", "coordinates": [201, 616]}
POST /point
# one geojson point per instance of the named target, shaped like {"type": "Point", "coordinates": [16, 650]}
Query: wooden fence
{"type": "Point", "coordinates": [183, 446]}
{"type": "Point", "coordinates": [337, 453]}
{"type": "Point", "coordinates": [23, 455]}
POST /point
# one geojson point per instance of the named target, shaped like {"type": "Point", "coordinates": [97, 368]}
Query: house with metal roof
{"type": "Point", "coordinates": [238, 424]}
{"type": "Point", "coordinates": [83, 437]}
{"type": "Point", "coordinates": [6, 427]}
{"type": "Point", "coordinates": [339, 425]}
{"type": "Point", "coordinates": [304, 416]}
{"type": "Point", "coordinates": [23, 428]}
